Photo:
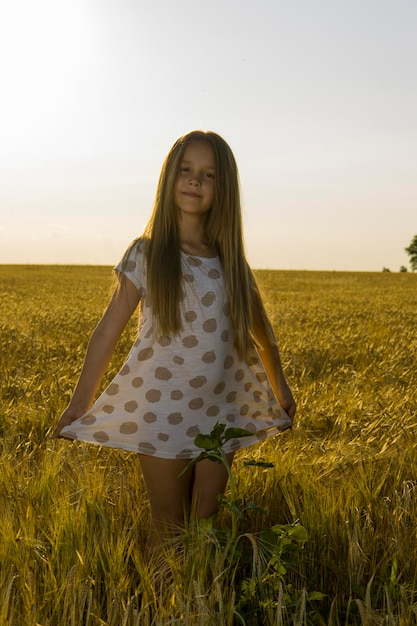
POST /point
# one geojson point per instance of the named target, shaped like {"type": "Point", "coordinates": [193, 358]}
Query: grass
{"type": "Point", "coordinates": [74, 518]}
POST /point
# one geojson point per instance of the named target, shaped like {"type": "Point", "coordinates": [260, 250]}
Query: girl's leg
{"type": "Point", "coordinates": [168, 496]}
{"type": "Point", "coordinates": [210, 478]}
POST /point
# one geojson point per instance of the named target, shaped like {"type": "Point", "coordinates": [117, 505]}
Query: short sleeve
{"type": "Point", "coordinates": [132, 264]}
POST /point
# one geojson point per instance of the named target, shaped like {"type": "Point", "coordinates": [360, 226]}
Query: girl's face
{"type": "Point", "coordinates": [194, 188]}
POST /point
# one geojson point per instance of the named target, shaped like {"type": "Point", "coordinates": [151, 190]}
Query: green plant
{"type": "Point", "coordinates": [272, 549]}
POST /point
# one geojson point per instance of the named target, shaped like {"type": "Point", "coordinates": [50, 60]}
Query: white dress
{"type": "Point", "coordinates": [171, 389]}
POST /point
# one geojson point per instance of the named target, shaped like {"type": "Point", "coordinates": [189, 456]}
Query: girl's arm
{"type": "Point", "coordinates": [270, 357]}
{"type": "Point", "coordinates": [100, 349]}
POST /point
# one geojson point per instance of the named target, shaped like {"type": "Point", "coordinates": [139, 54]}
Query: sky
{"type": "Point", "coordinates": [317, 99]}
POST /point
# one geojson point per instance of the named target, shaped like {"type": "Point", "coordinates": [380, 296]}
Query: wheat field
{"type": "Point", "coordinates": [74, 517]}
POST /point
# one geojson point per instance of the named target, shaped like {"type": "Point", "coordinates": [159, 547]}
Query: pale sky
{"type": "Point", "coordinates": [317, 99]}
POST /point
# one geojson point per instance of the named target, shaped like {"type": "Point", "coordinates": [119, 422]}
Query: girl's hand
{"type": "Point", "coordinates": [69, 415]}
{"type": "Point", "coordinates": [286, 399]}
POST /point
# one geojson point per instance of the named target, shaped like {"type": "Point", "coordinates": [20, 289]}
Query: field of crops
{"type": "Point", "coordinates": [74, 517]}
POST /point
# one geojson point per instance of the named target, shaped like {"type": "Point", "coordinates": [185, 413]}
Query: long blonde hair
{"type": "Point", "coordinates": [224, 234]}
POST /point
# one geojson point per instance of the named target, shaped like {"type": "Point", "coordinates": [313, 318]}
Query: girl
{"type": "Point", "coordinates": [205, 352]}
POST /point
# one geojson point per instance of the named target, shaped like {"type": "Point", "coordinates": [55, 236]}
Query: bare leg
{"type": "Point", "coordinates": [210, 479]}
{"type": "Point", "coordinates": [168, 496]}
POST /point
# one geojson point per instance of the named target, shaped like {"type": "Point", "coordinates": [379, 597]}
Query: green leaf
{"type": "Point", "coordinates": [217, 432]}
{"type": "Point", "coordinates": [291, 532]}
{"type": "Point", "coordinates": [206, 442]}
{"type": "Point", "coordinates": [232, 433]}
{"type": "Point", "coordinates": [316, 595]}
{"type": "Point", "coordinates": [298, 534]}
{"type": "Point", "coordinates": [255, 507]}
{"type": "Point", "coordinates": [258, 463]}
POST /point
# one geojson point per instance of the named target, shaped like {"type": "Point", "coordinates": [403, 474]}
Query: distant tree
{"type": "Point", "coordinates": [386, 269]}
{"type": "Point", "coordinates": [412, 253]}
{"type": "Point", "coordinates": [403, 269]}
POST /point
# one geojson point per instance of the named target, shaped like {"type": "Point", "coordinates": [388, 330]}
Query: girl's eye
{"type": "Point", "coordinates": [209, 175]}
{"type": "Point", "coordinates": [184, 169]}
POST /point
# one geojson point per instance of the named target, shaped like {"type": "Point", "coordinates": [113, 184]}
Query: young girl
{"type": "Point", "coordinates": [205, 352]}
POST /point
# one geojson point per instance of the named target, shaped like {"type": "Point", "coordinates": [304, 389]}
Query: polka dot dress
{"type": "Point", "coordinates": [172, 388]}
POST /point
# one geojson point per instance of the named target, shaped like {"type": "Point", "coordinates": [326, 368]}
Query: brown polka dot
{"type": "Point", "coordinates": [149, 334]}
{"type": "Point", "coordinates": [261, 435]}
{"type": "Point", "coordinates": [130, 266]}
{"type": "Point", "coordinates": [230, 417]}
{"type": "Point", "coordinates": [247, 386]}
{"type": "Point", "coordinates": [253, 360]}
{"type": "Point", "coordinates": [146, 448]}
{"type": "Point", "coordinates": [130, 407]}
{"type": "Point", "coordinates": [231, 397]}
{"type": "Point", "coordinates": [228, 362]}
{"type": "Point", "coordinates": [128, 428]}
{"type": "Point", "coordinates": [212, 411]}
{"type": "Point", "coordinates": [137, 342]}
{"type": "Point", "coordinates": [196, 403]}
{"type": "Point", "coordinates": [193, 431]}
{"type": "Point", "coordinates": [145, 354]}
{"type": "Point", "coordinates": [112, 389]}
{"type": "Point", "coordinates": [101, 436]}
{"type": "Point", "coordinates": [108, 408]}
{"type": "Point", "coordinates": [190, 342]}
{"type": "Point", "coordinates": [213, 273]}
{"type": "Point", "coordinates": [257, 395]}
{"type": "Point", "coordinates": [175, 418]}
{"type": "Point", "coordinates": [184, 454]}
{"type": "Point", "coordinates": [149, 417]}
{"type": "Point", "coordinates": [190, 316]}
{"type": "Point", "coordinates": [225, 336]}
{"type": "Point", "coordinates": [189, 278]}
{"type": "Point", "coordinates": [163, 437]}
{"type": "Point", "coordinates": [162, 373]}
{"type": "Point", "coordinates": [208, 298]}
{"type": "Point", "coordinates": [239, 375]}
{"type": "Point", "coordinates": [137, 382]}
{"type": "Point", "coordinates": [256, 414]}
{"type": "Point", "coordinates": [210, 325]}
{"type": "Point", "coordinates": [244, 409]}
{"type": "Point", "coordinates": [277, 414]}
{"type": "Point", "coordinates": [219, 388]}
{"type": "Point", "coordinates": [164, 341]}
{"type": "Point", "coordinates": [209, 357]}
{"type": "Point", "coordinates": [235, 444]}
{"type": "Point", "coordinates": [178, 360]}
{"type": "Point", "coordinates": [88, 419]}
{"type": "Point", "coordinates": [153, 395]}
{"type": "Point", "coordinates": [125, 370]}
{"type": "Point", "coordinates": [194, 261]}
{"type": "Point", "coordinates": [226, 309]}
{"type": "Point", "coordinates": [261, 376]}
{"type": "Point", "coordinates": [198, 381]}
{"type": "Point", "coordinates": [176, 394]}
{"type": "Point", "coordinates": [251, 427]}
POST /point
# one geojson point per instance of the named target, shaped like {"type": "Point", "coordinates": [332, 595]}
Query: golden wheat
{"type": "Point", "coordinates": [74, 518]}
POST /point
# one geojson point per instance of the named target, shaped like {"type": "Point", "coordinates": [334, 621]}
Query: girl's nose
{"type": "Point", "coordinates": [194, 181]}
